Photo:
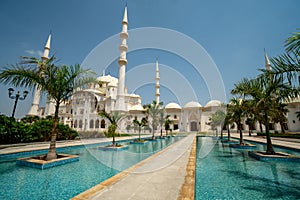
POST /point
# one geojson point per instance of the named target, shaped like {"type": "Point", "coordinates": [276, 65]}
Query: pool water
{"type": "Point", "coordinates": [67, 181]}
{"type": "Point", "coordinates": [229, 173]}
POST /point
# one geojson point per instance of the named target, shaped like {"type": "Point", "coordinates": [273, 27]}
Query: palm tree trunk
{"type": "Point", "coordinates": [153, 133]}
{"type": "Point", "coordinates": [52, 149]}
{"type": "Point", "coordinates": [221, 133]}
{"type": "Point", "coordinates": [270, 149]}
{"type": "Point", "coordinates": [260, 127]}
{"type": "Point", "coordinates": [161, 132]}
{"type": "Point", "coordinates": [114, 139]}
{"type": "Point", "coordinates": [282, 127]}
{"type": "Point", "coordinates": [139, 133]}
{"type": "Point", "coordinates": [241, 134]}
{"type": "Point", "coordinates": [228, 131]}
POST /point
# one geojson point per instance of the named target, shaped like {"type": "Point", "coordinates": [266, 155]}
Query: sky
{"type": "Point", "coordinates": [203, 47]}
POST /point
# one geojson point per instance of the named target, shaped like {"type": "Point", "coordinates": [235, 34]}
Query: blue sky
{"type": "Point", "coordinates": [234, 33]}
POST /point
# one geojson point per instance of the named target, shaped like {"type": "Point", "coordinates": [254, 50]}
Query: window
{"type": "Point", "coordinates": [91, 123]}
{"type": "Point", "coordinates": [80, 123]}
{"type": "Point", "coordinates": [75, 124]}
{"type": "Point", "coordinates": [97, 123]}
{"type": "Point", "coordinates": [102, 123]}
{"type": "Point", "coordinates": [175, 116]}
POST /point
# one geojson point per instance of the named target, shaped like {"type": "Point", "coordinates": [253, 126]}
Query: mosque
{"type": "Point", "coordinates": [110, 94]}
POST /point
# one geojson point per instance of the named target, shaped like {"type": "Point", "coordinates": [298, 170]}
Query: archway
{"type": "Point", "coordinates": [193, 126]}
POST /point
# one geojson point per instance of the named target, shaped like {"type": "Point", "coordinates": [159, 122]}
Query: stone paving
{"type": "Point", "coordinates": [283, 142]}
{"type": "Point", "coordinates": [161, 176]}
{"type": "Point", "coordinates": [23, 147]}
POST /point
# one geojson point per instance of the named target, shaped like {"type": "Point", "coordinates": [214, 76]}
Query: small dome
{"type": "Point", "coordinates": [112, 84]}
{"type": "Point", "coordinates": [134, 95]}
{"type": "Point", "coordinates": [192, 104]}
{"type": "Point", "coordinates": [172, 106]}
{"type": "Point", "coordinates": [213, 103]}
{"type": "Point", "coordinates": [137, 108]}
{"type": "Point", "coordinates": [107, 79]}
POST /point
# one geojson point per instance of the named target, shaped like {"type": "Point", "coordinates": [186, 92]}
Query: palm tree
{"type": "Point", "coordinates": [217, 120]}
{"type": "Point", "coordinates": [228, 122]}
{"type": "Point", "coordinates": [114, 118]}
{"type": "Point", "coordinates": [293, 42]}
{"type": "Point", "coordinates": [287, 65]}
{"type": "Point", "coordinates": [140, 124]}
{"type": "Point", "coordinates": [251, 115]}
{"type": "Point", "coordinates": [58, 82]}
{"type": "Point", "coordinates": [168, 122]}
{"type": "Point", "coordinates": [278, 115]}
{"type": "Point", "coordinates": [236, 109]}
{"type": "Point", "coordinates": [153, 111]}
{"type": "Point", "coordinates": [162, 121]}
{"type": "Point", "coordinates": [266, 92]}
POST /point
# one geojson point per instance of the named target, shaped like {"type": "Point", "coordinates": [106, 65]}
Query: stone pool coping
{"type": "Point", "coordinates": [6, 150]}
{"type": "Point", "coordinates": [140, 180]}
{"type": "Point", "coordinates": [279, 156]}
{"type": "Point", "coordinates": [187, 191]}
{"type": "Point", "coordinates": [293, 145]}
{"type": "Point", "coordinates": [44, 164]}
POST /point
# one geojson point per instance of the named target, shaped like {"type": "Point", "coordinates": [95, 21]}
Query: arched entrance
{"type": "Point", "coordinates": [193, 126]}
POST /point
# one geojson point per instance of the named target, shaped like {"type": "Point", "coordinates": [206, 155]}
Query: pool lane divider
{"type": "Point", "coordinates": [187, 191]}
{"type": "Point", "coordinates": [88, 194]}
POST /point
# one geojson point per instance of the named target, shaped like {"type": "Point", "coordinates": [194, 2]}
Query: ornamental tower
{"type": "Point", "coordinates": [37, 94]}
{"type": "Point", "coordinates": [120, 103]}
{"type": "Point", "coordinates": [157, 86]}
{"type": "Point", "coordinates": [267, 62]}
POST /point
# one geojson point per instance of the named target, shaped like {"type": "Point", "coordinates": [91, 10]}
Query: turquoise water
{"type": "Point", "coordinates": [228, 173]}
{"type": "Point", "coordinates": [67, 181]}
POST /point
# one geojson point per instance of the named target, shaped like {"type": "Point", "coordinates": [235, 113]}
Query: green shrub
{"type": "Point", "coordinates": [32, 130]}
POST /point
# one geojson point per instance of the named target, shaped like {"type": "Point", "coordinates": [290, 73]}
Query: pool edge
{"type": "Point", "coordinates": [187, 191]}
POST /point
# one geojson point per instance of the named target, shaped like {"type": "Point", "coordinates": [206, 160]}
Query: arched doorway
{"type": "Point", "coordinates": [193, 126]}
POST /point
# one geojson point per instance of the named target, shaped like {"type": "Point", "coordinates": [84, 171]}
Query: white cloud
{"type": "Point", "coordinates": [34, 53]}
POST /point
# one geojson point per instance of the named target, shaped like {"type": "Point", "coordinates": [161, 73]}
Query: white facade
{"type": "Point", "coordinates": [110, 94]}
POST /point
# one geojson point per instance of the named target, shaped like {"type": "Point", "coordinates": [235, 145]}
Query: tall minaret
{"type": "Point", "coordinates": [37, 94]}
{"type": "Point", "coordinates": [157, 86]}
{"type": "Point", "coordinates": [120, 104]}
{"type": "Point", "coordinates": [267, 62]}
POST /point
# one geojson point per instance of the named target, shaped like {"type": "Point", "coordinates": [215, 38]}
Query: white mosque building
{"type": "Point", "coordinates": [110, 94]}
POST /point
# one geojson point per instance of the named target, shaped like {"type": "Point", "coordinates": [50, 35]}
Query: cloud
{"type": "Point", "coordinates": [34, 53]}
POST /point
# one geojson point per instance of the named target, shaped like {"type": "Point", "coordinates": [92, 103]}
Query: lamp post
{"type": "Point", "coordinates": [16, 97]}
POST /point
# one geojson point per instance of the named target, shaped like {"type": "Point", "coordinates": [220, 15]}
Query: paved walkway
{"type": "Point", "coordinates": [23, 147]}
{"type": "Point", "coordinates": [159, 177]}
{"type": "Point", "coordinates": [284, 142]}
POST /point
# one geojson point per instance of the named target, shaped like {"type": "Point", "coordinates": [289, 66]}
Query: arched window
{"type": "Point", "coordinates": [75, 124]}
{"type": "Point", "coordinates": [175, 116]}
{"type": "Point", "coordinates": [97, 123]}
{"type": "Point", "coordinates": [80, 123]}
{"type": "Point", "coordinates": [102, 123]}
{"type": "Point", "coordinates": [91, 123]}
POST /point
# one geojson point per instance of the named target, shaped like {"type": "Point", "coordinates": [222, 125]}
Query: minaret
{"type": "Point", "coordinates": [267, 62]}
{"type": "Point", "coordinates": [157, 86]}
{"type": "Point", "coordinates": [37, 94]}
{"type": "Point", "coordinates": [120, 104]}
